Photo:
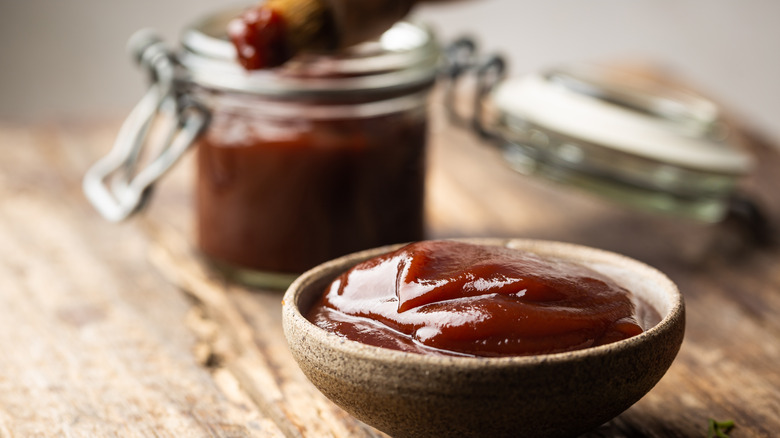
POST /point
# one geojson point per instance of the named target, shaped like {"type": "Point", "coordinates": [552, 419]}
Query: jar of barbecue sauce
{"type": "Point", "coordinates": [296, 165]}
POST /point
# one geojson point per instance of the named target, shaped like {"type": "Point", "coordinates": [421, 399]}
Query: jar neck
{"type": "Point", "coordinates": [336, 107]}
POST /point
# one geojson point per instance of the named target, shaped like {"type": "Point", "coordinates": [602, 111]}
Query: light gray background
{"type": "Point", "coordinates": [65, 60]}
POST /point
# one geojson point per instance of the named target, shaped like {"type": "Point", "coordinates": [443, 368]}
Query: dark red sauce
{"type": "Point", "coordinates": [444, 297]}
{"type": "Point", "coordinates": [259, 35]}
{"type": "Point", "coordinates": [287, 195]}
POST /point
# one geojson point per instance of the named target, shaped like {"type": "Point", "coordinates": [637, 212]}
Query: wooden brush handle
{"type": "Point", "coordinates": [361, 20]}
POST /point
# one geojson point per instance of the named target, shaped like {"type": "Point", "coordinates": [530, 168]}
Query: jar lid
{"type": "Point", "coordinates": [405, 56]}
{"type": "Point", "coordinates": [642, 119]}
{"type": "Point", "coordinates": [632, 138]}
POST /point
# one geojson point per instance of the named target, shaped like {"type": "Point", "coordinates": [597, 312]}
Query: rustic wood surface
{"type": "Point", "coordinates": [119, 330]}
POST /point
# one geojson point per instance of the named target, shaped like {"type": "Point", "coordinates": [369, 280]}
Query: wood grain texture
{"type": "Point", "coordinates": [93, 340]}
{"type": "Point", "coordinates": [120, 330]}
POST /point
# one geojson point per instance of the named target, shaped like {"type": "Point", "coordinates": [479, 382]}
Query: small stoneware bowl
{"type": "Point", "coordinates": [552, 395]}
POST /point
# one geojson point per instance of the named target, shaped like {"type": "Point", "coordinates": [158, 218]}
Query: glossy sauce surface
{"type": "Point", "coordinates": [453, 298]}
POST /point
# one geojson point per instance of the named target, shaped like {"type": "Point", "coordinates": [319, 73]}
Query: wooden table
{"type": "Point", "coordinates": [118, 330]}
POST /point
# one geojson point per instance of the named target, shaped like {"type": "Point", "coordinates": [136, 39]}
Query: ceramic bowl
{"type": "Point", "coordinates": [553, 395]}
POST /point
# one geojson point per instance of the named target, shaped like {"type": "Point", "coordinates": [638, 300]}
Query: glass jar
{"type": "Point", "coordinates": [629, 137]}
{"type": "Point", "coordinates": [296, 165]}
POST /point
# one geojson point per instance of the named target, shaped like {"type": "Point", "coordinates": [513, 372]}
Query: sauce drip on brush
{"type": "Point", "coordinates": [269, 34]}
{"type": "Point", "coordinates": [260, 38]}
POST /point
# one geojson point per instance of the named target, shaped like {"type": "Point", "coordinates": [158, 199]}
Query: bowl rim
{"type": "Point", "coordinates": [291, 313]}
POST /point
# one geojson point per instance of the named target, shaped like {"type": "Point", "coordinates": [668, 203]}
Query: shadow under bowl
{"type": "Point", "coordinates": [551, 395]}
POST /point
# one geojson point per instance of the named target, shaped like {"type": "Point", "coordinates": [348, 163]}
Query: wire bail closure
{"type": "Point", "coordinates": [114, 185]}
{"type": "Point", "coordinates": [461, 59]}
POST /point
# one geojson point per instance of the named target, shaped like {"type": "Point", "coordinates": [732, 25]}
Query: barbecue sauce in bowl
{"type": "Point", "coordinates": [455, 298]}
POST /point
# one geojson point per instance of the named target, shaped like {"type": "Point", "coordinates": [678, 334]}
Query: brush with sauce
{"type": "Point", "coordinates": [269, 34]}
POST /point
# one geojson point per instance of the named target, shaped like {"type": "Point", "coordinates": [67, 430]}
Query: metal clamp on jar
{"type": "Point", "coordinates": [296, 165]}
{"type": "Point", "coordinates": [630, 138]}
